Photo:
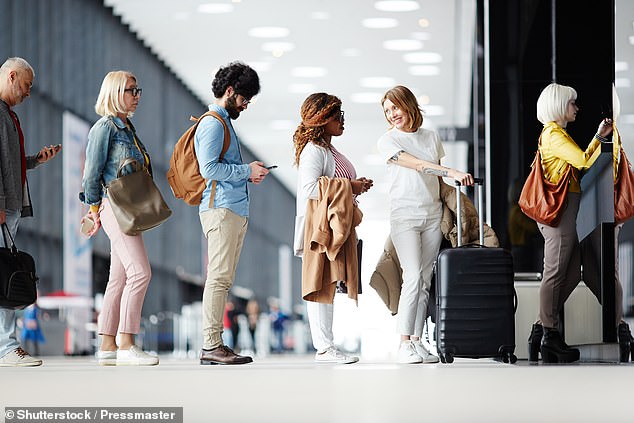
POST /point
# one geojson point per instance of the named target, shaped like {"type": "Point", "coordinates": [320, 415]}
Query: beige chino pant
{"type": "Point", "coordinates": [225, 233]}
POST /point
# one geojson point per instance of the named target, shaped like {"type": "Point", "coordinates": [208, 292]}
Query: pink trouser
{"type": "Point", "coordinates": [130, 275]}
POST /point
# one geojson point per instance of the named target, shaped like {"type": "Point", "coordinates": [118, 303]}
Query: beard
{"type": "Point", "coordinates": [232, 107]}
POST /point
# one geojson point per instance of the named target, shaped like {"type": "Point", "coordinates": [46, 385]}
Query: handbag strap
{"type": "Point", "coordinates": [5, 232]}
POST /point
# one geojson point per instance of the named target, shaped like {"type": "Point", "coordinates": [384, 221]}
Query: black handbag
{"type": "Point", "coordinates": [18, 280]}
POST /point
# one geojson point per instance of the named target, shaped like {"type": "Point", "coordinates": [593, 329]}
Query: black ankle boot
{"type": "Point", "coordinates": [534, 342]}
{"type": "Point", "coordinates": [625, 342]}
{"type": "Point", "coordinates": [555, 350]}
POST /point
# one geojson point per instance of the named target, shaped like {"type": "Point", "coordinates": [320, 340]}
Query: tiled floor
{"type": "Point", "coordinates": [295, 389]}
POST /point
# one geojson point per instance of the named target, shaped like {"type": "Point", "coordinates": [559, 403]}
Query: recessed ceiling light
{"type": "Point", "coordinates": [377, 82]}
{"type": "Point", "coordinates": [366, 97]}
{"type": "Point", "coordinates": [278, 46]}
{"type": "Point", "coordinates": [423, 22]}
{"type": "Point", "coordinates": [430, 110]}
{"type": "Point", "coordinates": [396, 6]}
{"type": "Point", "coordinates": [424, 99]}
{"type": "Point", "coordinates": [269, 32]}
{"type": "Point", "coordinates": [215, 8]}
{"type": "Point", "coordinates": [402, 45]}
{"type": "Point", "coordinates": [422, 57]}
{"type": "Point", "coordinates": [424, 70]}
{"type": "Point", "coordinates": [308, 72]}
{"type": "Point", "coordinates": [321, 16]}
{"type": "Point", "coordinates": [379, 23]}
{"type": "Point", "coordinates": [302, 88]}
{"type": "Point", "coordinates": [631, 38]}
{"type": "Point", "coordinates": [620, 66]}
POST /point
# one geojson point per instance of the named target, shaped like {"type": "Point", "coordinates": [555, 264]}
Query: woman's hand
{"type": "Point", "coordinates": [463, 178]}
{"type": "Point", "coordinates": [605, 128]}
{"type": "Point", "coordinates": [361, 185]}
{"type": "Point", "coordinates": [94, 216]}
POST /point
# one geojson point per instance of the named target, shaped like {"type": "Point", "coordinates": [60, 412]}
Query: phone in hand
{"type": "Point", "coordinates": [271, 167]}
{"type": "Point", "coordinates": [87, 225]}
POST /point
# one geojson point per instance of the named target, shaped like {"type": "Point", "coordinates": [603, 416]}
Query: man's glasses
{"type": "Point", "coordinates": [134, 91]}
{"type": "Point", "coordinates": [245, 101]}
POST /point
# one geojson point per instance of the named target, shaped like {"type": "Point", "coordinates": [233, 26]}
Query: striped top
{"type": "Point", "coordinates": [343, 166]}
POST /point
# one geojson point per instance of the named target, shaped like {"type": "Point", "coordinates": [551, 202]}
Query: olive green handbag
{"type": "Point", "coordinates": [135, 200]}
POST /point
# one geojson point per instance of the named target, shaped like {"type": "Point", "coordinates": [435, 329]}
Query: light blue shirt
{"type": "Point", "coordinates": [231, 174]}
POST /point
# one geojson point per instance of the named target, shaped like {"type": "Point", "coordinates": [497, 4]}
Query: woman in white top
{"type": "Point", "coordinates": [315, 156]}
{"type": "Point", "coordinates": [413, 156]}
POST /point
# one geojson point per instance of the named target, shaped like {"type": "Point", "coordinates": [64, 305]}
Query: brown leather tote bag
{"type": "Point", "coordinates": [541, 200]}
{"type": "Point", "coordinates": [623, 190]}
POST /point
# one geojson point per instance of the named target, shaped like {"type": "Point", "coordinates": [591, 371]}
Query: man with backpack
{"type": "Point", "coordinates": [224, 205]}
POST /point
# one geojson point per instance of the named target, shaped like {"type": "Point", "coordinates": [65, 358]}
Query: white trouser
{"type": "Point", "coordinates": [320, 321]}
{"type": "Point", "coordinates": [417, 244]}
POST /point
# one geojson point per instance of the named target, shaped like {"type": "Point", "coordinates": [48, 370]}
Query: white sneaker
{"type": "Point", "coordinates": [106, 358]}
{"type": "Point", "coordinates": [19, 358]}
{"type": "Point", "coordinates": [135, 356]}
{"type": "Point", "coordinates": [407, 353]}
{"type": "Point", "coordinates": [425, 354]}
{"type": "Point", "coordinates": [333, 355]}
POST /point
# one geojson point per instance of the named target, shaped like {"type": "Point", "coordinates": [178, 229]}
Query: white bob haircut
{"type": "Point", "coordinates": [552, 103]}
{"type": "Point", "coordinates": [110, 100]}
{"type": "Point", "coordinates": [17, 64]}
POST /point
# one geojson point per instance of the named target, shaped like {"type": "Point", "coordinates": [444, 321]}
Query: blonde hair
{"type": "Point", "coordinates": [552, 103]}
{"type": "Point", "coordinates": [110, 100]}
{"type": "Point", "coordinates": [406, 101]}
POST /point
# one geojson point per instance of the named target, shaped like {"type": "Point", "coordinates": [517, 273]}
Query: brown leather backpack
{"type": "Point", "coordinates": [184, 174]}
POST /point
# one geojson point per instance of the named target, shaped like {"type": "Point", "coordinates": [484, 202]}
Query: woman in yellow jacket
{"type": "Point", "coordinates": [556, 107]}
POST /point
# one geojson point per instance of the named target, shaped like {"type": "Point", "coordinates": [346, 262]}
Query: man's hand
{"type": "Point", "coordinates": [258, 172]}
{"type": "Point", "coordinates": [47, 153]}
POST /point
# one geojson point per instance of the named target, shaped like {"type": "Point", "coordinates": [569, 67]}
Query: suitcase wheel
{"type": "Point", "coordinates": [513, 358]}
{"type": "Point", "coordinates": [442, 358]}
{"type": "Point", "coordinates": [449, 358]}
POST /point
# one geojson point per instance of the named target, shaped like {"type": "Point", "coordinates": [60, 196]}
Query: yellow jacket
{"type": "Point", "coordinates": [558, 150]}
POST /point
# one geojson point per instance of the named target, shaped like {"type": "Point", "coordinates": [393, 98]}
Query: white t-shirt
{"type": "Point", "coordinates": [413, 195]}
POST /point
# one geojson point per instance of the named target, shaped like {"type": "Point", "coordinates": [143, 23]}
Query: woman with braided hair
{"type": "Point", "coordinates": [315, 156]}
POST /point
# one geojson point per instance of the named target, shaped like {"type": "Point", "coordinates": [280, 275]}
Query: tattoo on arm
{"type": "Point", "coordinates": [394, 158]}
{"type": "Point", "coordinates": [436, 172]}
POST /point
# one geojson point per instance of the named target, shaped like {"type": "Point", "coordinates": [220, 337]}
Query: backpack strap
{"type": "Point", "coordinates": [225, 147]}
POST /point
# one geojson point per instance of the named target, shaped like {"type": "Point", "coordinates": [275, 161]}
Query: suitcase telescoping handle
{"type": "Point", "coordinates": [478, 182]}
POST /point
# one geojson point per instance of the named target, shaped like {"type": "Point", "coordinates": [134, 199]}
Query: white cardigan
{"type": "Point", "coordinates": [314, 162]}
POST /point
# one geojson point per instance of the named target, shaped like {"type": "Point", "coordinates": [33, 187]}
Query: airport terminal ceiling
{"type": "Point", "coordinates": [353, 49]}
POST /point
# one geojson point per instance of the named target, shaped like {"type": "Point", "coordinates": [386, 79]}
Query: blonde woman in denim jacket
{"type": "Point", "coordinates": [111, 140]}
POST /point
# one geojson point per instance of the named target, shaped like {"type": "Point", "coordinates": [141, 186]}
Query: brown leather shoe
{"type": "Point", "coordinates": [223, 355]}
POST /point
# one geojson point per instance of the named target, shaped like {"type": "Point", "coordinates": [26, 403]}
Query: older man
{"type": "Point", "coordinates": [16, 79]}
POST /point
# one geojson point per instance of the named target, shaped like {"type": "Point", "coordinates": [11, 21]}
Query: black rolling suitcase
{"type": "Point", "coordinates": [475, 297]}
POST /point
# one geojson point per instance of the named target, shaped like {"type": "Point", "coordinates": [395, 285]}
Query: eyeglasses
{"type": "Point", "coordinates": [245, 101]}
{"type": "Point", "coordinates": [134, 91]}
{"type": "Point", "coordinates": [341, 116]}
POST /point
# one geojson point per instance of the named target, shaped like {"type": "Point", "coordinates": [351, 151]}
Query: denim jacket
{"type": "Point", "coordinates": [110, 142]}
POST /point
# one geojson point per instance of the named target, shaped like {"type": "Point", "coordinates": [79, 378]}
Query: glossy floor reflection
{"type": "Point", "coordinates": [295, 389]}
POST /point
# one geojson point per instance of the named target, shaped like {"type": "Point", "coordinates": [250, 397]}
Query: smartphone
{"type": "Point", "coordinates": [87, 225]}
{"type": "Point", "coordinates": [271, 167]}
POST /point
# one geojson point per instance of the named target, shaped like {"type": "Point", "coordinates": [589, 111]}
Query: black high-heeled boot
{"type": "Point", "coordinates": [555, 350]}
{"type": "Point", "coordinates": [625, 344]}
{"type": "Point", "coordinates": [534, 342]}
